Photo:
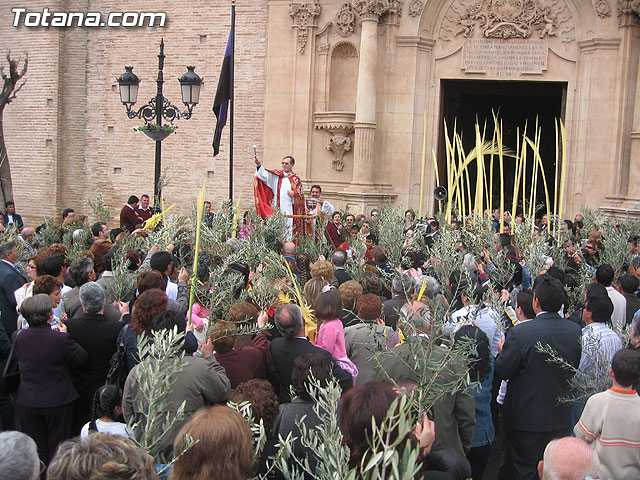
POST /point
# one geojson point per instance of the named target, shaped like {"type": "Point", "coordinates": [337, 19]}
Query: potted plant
{"type": "Point", "coordinates": [156, 132]}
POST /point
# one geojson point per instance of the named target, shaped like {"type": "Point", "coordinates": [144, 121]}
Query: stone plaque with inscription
{"type": "Point", "coordinates": [504, 58]}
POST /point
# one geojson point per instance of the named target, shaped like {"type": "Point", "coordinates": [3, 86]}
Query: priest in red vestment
{"type": "Point", "coordinates": [287, 189]}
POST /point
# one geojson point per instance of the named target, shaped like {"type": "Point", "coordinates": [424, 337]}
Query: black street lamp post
{"type": "Point", "coordinates": [159, 107]}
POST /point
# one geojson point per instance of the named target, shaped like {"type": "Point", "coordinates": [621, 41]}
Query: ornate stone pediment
{"type": "Point", "coordinates": [508, 19]}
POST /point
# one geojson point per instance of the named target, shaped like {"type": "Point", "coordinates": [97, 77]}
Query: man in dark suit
{"type": "Point", "coordinates": [401, 288]}
{"type": "Point", "coordinates": [628, 287]}
{"type": "Point", "coordinates": [10, 280]}
{"type": "Point", "coordinates": [98, 337]}
{"type": "Point", "coordinates": [11, 217]}
{"type": "Point", "coordinates": [294, 343]}
{"type": "Point", "coordinates": [340, 275]}
{"type": "Point", "coordinates": [532, 414]}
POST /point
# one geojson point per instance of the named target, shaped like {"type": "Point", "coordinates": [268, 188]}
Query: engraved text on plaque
{"type": "Point", "coordinates": [504, 58]}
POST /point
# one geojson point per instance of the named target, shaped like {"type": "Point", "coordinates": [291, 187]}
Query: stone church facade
{"type": "Point", "coordinates": [342, 86]}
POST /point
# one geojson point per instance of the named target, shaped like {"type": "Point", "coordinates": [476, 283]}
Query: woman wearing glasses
{"type": "Point", "coordinates": [35, 269]}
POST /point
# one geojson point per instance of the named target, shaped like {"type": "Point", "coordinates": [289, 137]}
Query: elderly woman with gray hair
{"type": "Point", "coordinates": [46, 394]}
{"type": "Point", "coordinates": [18, 457]}
{"type": "Point", "coordinates": [99, 338]}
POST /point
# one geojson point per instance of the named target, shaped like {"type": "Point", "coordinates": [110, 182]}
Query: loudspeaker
{"type": "Point", "coordinates": [440, 193]}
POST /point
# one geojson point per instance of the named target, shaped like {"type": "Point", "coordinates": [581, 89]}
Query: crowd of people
{"type": "Point", "coordinates": [71, 418]}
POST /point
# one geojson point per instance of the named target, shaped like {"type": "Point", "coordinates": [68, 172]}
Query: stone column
{"type": "Point", "coordinates": [365, 124]}
{"type": "Point", "coordinates": [626, 175]}
{"type": "Point", "coordinates": [634, 154]}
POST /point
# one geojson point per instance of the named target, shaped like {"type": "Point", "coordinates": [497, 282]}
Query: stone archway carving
{"type": "Point", "coordinates": [438, 18]}
{"type": "Point", "coordinates": [505, 20]}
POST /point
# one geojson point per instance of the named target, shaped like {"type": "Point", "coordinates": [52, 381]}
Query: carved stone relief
{"type": "Point", "coordinates": [323, 48]}
{"type": "Point", "coordinates": [415, 8]}
{"type": "Point", "coordinates": [338, 144]}
{"type": "Point", "coordinates": [370, 8]}
{"type": "Point", "coordinates": [340, 126]}
{"type": "Point", "coordinates": [602, 8]}
{"type": "Point", "coordinates": [508, 19]}
{"type": "Point", "coordinates": [344, 49]}
{"type": "Point", "coordinates": [345, 20]}
{"type": "Point", "coordinates": [304, 17]}
{"type": "Point", "coordinates": [629, 12]}
{"type": "Point", "coordinates": [393, 13]}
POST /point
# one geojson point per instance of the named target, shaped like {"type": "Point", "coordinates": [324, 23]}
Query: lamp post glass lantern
{"type": "Point", "coordinates": [190, 83]}
{"type": "Point", "coordinates": [159, 107]}
{"type": "Point", "coordinates": [128, 82]}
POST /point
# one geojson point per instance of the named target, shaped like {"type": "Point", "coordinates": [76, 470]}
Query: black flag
{"type": "Point", "coordinates": [223, 94]}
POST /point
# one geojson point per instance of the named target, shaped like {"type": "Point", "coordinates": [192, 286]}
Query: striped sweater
{"type": "Point", "coordinates": [610, 423]}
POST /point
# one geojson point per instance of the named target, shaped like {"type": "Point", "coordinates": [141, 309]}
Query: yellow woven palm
{"type": "Point", "coordinates": [154, 220]}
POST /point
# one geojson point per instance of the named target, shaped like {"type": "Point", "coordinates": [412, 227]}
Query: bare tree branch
{"type": "Point", "coordinates": [11, 85]}
{"type": "Point", "coordinates": [11, 82]}
{"type": "Point", "coordinates": [18, 88]}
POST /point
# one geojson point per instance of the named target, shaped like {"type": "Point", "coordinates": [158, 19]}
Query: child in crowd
{"type": "Point", "coordinates": [106, 413]}
{"type": "Point", "coordinates": [610, 422]}
{"type": "Point", "coordinates": [331, 332]}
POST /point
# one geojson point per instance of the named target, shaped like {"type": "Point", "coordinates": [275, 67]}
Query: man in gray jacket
{"type": "Point", "coordinates": [201, 382]}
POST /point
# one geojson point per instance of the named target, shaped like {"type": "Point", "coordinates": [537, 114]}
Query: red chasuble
{"type": "Point", "coordinates": [264, 196]}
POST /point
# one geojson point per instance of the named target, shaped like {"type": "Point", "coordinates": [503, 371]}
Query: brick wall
{"type": "Point", "coordinates": [68, 136]}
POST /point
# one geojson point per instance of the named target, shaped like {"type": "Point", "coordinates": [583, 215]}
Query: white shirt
{"type": "Point", "coordinates": [598, 342]}
{"type": "Point", "coordinates": [112, 428]}
{"type": "Point", "coordinates": [619, 316]}
{"type": "Point", "coordinates": [503, 385]}
{"type": "Point", "coordinates": [172, 290]}
{"type": "Point", "coordinates": [326, 209]}
{"type": "Point", "coordinates": [485, 319]}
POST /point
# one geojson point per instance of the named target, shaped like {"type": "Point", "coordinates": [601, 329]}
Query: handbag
{"type": "Point", "coordinates": [10, 379]}
{"type": "Point", "coordinates": [118, 371]}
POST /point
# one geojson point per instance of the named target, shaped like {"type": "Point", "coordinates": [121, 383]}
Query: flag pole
{"type": "Point", "coordinates": [231, 106]}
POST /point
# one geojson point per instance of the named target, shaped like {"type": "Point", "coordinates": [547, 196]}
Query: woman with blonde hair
{"type": "Point", "coordinates": [311, 291]}
{"type": "Point", "coordinates": [322, 269]}
{"type": "Point", "coordinates": [220, 430]}
{"type": "Point", "coordinates": [101, 457]}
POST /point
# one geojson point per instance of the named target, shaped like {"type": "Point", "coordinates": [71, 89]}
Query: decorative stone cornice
{"type": "Point", "coordinates": [593, 44]}
{"type": "Point", "coordinates": [370, 9]}
{"type": "Point", "coordinates": [304, 17]}
{"type": "Point", "coordinates": [415, 41]}
{"type": "Point", "coordinates": [335, 122]}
